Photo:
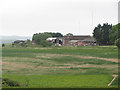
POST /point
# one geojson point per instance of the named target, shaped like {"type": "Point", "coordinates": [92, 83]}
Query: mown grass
{"type": "Point", "coordinates": [59, 77]}
{"type": "Point", "coordinates": [61, 81]}
{"type": "Point", "coordinates": [79, 61]}
{"type": "Point", "coordinates": [53, 62]}
{"type": "Point", "coordinates": [106, 52]}
{"type": "Point", "coordinates": [60, 59]}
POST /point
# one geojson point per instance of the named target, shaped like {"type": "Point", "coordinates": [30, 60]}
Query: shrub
{"type": "Point", "coordinates": [12, 44]}
{"type": "Point", "coordinates": [8, 82]}
{"type": "Point", "coordinates": [45, 43]}
{"type": "Point", "coordinates": [3, 45]}
{"type": "Point", "coordinates": [23, 44]}
{"type": "Point", "coordinates": [117, 42]}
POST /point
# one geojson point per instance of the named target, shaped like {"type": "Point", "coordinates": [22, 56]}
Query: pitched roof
{"type": "Point", "coordinates": [18, 41]}
{"type": "Point", "coordinates": [89, 40]}
{"type": "Point", "coordinates": [76, 37]}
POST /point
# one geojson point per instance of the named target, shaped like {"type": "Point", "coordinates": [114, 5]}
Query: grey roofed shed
{"type": "Point", "coordinates": [89, 40]}
{"type": "Point", "coordinates": [74, 41]}
{"type": "Point", "coordinates": [18, 41]}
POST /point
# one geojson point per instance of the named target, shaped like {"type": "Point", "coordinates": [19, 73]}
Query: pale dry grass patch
{"type": "Point", "coordinates": [14, 66]}
{"type": "Point", "coordinates": [78, 56]}
{"type": "Point", "coordinates": [42, 48]}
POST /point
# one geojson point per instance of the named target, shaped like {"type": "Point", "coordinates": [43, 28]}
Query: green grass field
{"type": "Point", "coordinates": [61, 81]}
{"type": "Point", "coordinates": [61, 67]}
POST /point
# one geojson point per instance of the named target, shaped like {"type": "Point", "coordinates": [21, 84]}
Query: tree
{"type": "Point", "coordinates": [69, 34]}
{"type": "Point", "coordinates": [37, 38]}
{"type": "Point", "coordinates": [101, 34]}
{"type": "Point", "coordinates": [97, 33]}
{"type": "Point", "coordinates": [117, 42]}
{"type": "Point", "coordinates": [54, 34]}
{"type": "Point", "coordinates": [105, 33]}
{"type": "Point", "coordinates": [114, 33]}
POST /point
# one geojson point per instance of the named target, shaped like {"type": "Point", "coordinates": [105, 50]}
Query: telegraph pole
{"type": "Point", "coordinates": [79, 26]}
{"type": "Point", "coordinates": [92, 19]}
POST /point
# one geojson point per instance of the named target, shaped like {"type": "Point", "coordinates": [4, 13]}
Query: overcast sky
{"type": "Point", "coordinates": [26, 17]}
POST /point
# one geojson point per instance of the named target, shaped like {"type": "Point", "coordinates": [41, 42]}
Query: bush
{"type": "Point", "coordinates": [23, 44]}
{"type": "Point", "coordinates": [12, 44]}
{"type": "Point", "coordinates": [45, 43]}
{"type": "Point", "coordinates": [3, 45]}
{"type": "Point", "coordinates": [28, 42]}
{"type": "Point", "coordinates": [117, 42]}
{"type": "Point", "coordinates": [8, 82]}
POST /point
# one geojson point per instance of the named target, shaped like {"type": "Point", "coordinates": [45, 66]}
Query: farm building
{"type": "Point", "coordinates": [78, 40]}
{"type": "Point", "coordinates": [18, 41]}
{"type": "Point", "coordinates": [73, 40]}
{"type": "Point", "coordinates": [55, 40]}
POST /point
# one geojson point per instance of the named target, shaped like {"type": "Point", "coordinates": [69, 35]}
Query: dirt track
{"type": "Point", "coordinates": [22, 65]}
{"type": "Point", "coordinates": [71, 66]}
{"type": "Point", "coordinates": [84, 57]}
{"type": "Point", "coordinates": [114, 77]}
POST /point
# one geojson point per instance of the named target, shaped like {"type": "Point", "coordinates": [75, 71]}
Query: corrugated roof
{"type": "Point", "coordinates": [89, 39]}
{"type": "Point", "coordinates": [74, 41]}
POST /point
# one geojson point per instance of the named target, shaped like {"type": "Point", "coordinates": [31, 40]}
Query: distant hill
{"type": "Point", "coordinates": [10, 39]}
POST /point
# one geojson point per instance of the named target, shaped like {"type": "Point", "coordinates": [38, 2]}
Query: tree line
{"type": "Point", "coordinates": [40, 38]}
{"type": "Point", "coordinates": [107, 34]}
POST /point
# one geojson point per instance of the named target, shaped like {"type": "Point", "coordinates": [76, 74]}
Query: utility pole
{"type": "Point", "coordinates": [92, 19]}
{"type": "Point", "coordinates": [79, 26]}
